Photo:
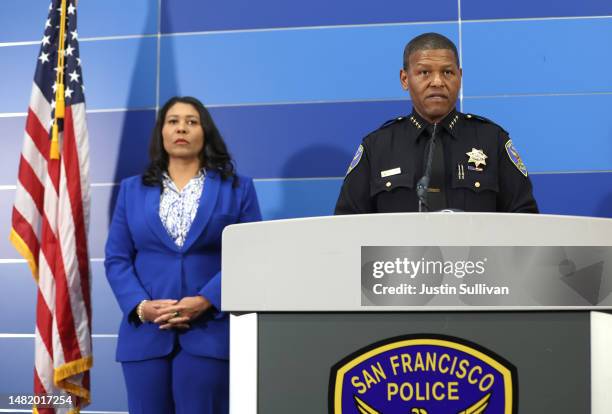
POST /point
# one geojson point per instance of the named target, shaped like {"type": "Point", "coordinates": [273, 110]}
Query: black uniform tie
{"type": "Point", "coordinates": [436, 197]}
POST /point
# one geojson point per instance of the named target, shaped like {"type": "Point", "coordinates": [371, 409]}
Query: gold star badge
{"type": "Point", "coordinates": [477, 156]}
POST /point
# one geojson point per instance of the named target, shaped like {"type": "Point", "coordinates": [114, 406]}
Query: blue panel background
{"type": "Point", "coordinates": [17, 64]}
{"type": "Point", "coordinates": [486, 9]}
{"type": "Point", "coordinates": [105, 307]}
{"type": "Point", "coordinates": [11, 139]}
{"type": "Point", "coordinates": [119, 143]}
{"type": "Point", "coordinates": [338, 64]}
{"type": "Point", "coordinates": [555, 133]}
{"type": "Point", "coordinates": [108, 390]}
{"type": "Point", "coordinates": [122, 74]}
{"type": "Point", "coordinates": [17, 279]}
{"type": "Point", "coordinates": [23, 20]}
{"type": "Point", "coordinates": [545, 80]}
{"type": "Point", "coordinates": [588, 194]}
{"type": "Point", "coordinates": [102, 202]}
{"type": "Point", "coordinates": [208, 15]}
{"type": "Point", "coordinates": [297, 198]}
{"type": "Point", "coordinates": [117, 18]}
{"type": "Point", "coordinates": [306, 140]}
{"type": "Point", "coordinates": [20, 365]}
{"type": "Point", "coordinates": [537, 57]}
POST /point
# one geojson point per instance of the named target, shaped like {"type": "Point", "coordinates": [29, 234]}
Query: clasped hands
{"type": "Point", "coordinates": [174, 314]}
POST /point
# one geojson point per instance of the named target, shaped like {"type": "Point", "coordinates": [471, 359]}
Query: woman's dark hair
{"type": "Point", "coordinates": [214, 155]}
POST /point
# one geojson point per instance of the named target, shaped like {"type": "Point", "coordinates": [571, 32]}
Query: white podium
{"type": "Point", "coordinates": [302, 299]}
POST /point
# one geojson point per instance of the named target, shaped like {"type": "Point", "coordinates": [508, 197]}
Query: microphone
{"type": "Point", "coordinates": [423, 184]}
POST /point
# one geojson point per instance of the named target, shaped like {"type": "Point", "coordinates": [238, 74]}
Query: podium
{"type": "Point", "coordinates": [306, 294]}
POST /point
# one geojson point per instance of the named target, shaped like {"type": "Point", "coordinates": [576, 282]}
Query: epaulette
{"type": "Point", "coordinates": [388, 123]}
{"type": "Point", "coordinates": [485, 120]}
{"type": "Point", "coordinates": [392, 121]}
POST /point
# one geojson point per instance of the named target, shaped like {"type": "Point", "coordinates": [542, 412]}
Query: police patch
{"type": "Point", "coordinates": [515, 158]}
{"type": "Point", "coordinates": [356, 159]}
{"type": "Point", "coordinates": [423, 374]}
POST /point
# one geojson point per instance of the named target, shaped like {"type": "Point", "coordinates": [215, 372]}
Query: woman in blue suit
{"type": "Point", "coordinates": [163, 262]}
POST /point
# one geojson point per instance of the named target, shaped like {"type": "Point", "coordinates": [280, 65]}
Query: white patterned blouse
{"type": "Point", "coordinates": [177, 208]}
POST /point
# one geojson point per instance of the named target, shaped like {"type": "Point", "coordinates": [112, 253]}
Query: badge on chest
{"type": "Point", "coordinates": [477, 159]}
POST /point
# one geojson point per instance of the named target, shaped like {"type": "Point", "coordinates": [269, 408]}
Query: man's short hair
{"type": "Point", "coordinates": [429, 41]}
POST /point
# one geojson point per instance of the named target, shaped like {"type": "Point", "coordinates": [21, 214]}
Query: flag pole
{"type": "Point", "coordinates": [60, 103]}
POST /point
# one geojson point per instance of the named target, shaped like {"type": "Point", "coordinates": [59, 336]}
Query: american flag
{"type": "Point", "coordinates": [51, 213]}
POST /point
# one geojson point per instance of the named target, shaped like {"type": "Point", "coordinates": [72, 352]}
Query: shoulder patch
{"type": "Point", "coordinates": [515, 158]}
{"type": "Point", "coordinates": [484, 120]}
{"type": "Point", "coordinates": [355, 160]}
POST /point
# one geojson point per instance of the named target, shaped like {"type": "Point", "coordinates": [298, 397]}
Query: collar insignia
{"type": "Point", "coordinates": [453, 122]}
{"type": "Point", "coordinates": [415, 122]}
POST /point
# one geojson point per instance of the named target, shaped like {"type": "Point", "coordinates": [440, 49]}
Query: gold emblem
{"type": "Point", "coordinates": [478, 407]}
{"type": "Point", "coordinates": [477, 156]}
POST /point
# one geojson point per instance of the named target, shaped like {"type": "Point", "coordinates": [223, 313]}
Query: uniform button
{"type": "Point", "coordinates": [477, 184]}
{"type": "Point", "coordinates": [388, 184]}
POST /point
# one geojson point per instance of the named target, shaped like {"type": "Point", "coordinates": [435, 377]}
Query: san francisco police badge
{"type": "Point", "coordinates": [423, 374]}
{"type": "Point", "coordinates": [515, 157]}
{"type": "Point", "coordinates": [356, 159]}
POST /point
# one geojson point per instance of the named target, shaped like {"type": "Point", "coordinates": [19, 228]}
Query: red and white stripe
{"type": "Point", "coordinates": [49, 227]}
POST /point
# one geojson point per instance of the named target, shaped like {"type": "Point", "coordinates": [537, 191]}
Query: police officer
{"type": "Point", "coordinates": [473, 163]}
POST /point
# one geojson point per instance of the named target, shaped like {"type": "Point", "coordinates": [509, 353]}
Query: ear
{"type": "Point", "coordinates": [404, 79]}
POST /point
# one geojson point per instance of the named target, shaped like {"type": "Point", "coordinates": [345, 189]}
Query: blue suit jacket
{"type": "Point", "coordinates": [142, 262]}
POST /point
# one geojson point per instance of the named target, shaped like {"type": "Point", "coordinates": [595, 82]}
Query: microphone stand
{"type": "Point", "coordinates": [423, 184]}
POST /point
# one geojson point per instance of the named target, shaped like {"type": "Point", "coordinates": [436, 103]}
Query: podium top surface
{"type": "Point", "coordinates": [316, 264]}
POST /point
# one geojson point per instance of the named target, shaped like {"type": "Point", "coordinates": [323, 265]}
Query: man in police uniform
{"type": "Point", "coordinates": [474, 165]}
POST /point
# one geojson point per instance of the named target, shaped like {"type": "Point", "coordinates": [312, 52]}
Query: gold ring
{"type": "Point", "coordinates": [176, 314]}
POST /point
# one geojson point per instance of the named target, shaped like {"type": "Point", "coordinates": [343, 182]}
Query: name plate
{"type": "Point", "coordinates": [476, 276]}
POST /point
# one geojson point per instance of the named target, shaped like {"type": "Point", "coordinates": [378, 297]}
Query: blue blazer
{"type": "Point", "coordinates": [142, 262]}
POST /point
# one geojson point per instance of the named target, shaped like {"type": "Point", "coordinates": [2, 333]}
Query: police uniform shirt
{"type": "Point", "coordinates": [483, 171]}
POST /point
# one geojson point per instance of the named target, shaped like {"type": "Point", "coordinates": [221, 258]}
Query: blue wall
{"type": "Point", "coordinates": [294, 86]}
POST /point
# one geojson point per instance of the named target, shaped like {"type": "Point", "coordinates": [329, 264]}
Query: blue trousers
{"type": "Point", "coordinates": [179, 383]}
